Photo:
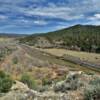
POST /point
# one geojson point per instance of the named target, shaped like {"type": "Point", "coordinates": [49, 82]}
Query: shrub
{"type": "Point", "coordinates": [46, 81]}
{"type": "Point", "coordinates": [71, 83]}
{"type": "Point", "coordinates": [43, 88]}
{"type": "Point", "coordinates": [27, 79]}
{"type": "Point", "coordinates": [92, 93]}
{"type": "Point", "coordinates": [90, 73]}
{"type": "Point", "coordinates": [1, 56]}
{"type": "Point", "coordinates": [15, 60]}
{"type": "Point", "coordinates": [5, 82]}
{"type": "Point", "coordinates": [95, 82]}
{"type": "Point", "coordinates": [60, 87]}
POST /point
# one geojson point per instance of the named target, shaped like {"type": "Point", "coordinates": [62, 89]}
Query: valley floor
{"type": "Point", "coordinates": [50, 74]}
{"type": "Point", "coordinates": [91, 57]}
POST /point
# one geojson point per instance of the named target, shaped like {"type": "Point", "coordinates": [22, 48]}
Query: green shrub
{"type": "Point", "coordinates": [46, 81]}
{"type": "Point", "coordinates": [92, 93]}
{"type": "Point", "coordinates": [95, 82]}
{"type": "Point", "coordinates": [90, 73]}
{"type": "Point", "coordinates": [15, 60]}
{"type": "Point", "coordinates": [70, 83]}
{"type": "Point", "coordinates": [60, 87]}
{"type": "Point", "coordinates": [27, 79]}
{"type": "Point", "coordinates": [43, 88]}
{"type": "Point", "coordinates": [1, 56]}
{"type": "Point", "coordinates": [63, 87]}
{"type": "Point", "coordinates": [5, 82]}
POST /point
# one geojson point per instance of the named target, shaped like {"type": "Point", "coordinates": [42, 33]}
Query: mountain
{"type": "Point", "coordinates": [78, 37]}
{"type": "Point", "coordinates": [11, 35]}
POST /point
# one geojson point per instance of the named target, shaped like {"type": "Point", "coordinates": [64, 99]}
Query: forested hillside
{"type": "Point", "coordinates": [78, 37]}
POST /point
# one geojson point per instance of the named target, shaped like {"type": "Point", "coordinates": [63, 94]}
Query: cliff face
{"type": "Point", "coordinates": [68, 89]}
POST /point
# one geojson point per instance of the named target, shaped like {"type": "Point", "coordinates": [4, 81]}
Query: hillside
{"type": "Point", "coordinates": [75, 86]}
{"type": "Point", "coordinates": [29, 73]}
{"type": "Point", "coordinates": [17, 59]}
{"type": "Point", "coordinates": [78, 37]}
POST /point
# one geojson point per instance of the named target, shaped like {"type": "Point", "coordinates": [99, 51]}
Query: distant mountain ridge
{"type": "Point", "coordinates": [78, 37]}
{"type": "Point", "coordinates": [12, 35]}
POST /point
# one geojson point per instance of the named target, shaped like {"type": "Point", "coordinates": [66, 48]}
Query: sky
{"type": "Point", "coordinates": [37, 16]}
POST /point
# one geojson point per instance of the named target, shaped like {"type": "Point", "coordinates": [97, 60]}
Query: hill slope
{"type": "Point", "coordinates": [78, 37]}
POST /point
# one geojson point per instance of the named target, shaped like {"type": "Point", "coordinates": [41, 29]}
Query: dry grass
{"type": "Point", "coordinates": [4, 39]}
{"type": "Point", "coordinates": [32, 61]}
{"type": "Point", "coordinates": [92, 57]}
{"type": "Point", "coordinates": [38, 64]}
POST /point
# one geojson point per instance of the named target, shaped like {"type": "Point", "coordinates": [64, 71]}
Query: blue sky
{"type": "Point", "coordinates": [36, 16]}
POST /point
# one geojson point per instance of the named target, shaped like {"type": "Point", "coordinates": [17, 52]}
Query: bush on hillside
{"type": "Point", "coordinates": [93, 91]}
{"type": "Point", "coordinates": [46, 81]}
{"type": "Point", "coordinates": [15, 60]}
{"type": "Point", "coordinates": [5, 82]}
{"type": "Point", "coordinates": [95, 81]}
{"type": "Point", "coordinates": [70, 83]}
{"type": "Point", "coordinates": [27, 79]}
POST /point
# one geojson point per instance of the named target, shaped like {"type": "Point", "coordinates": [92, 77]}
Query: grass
{"type": "Point", "coordinates": [92, 57]}
{"type": "Point", "coordinates": [29, 80]}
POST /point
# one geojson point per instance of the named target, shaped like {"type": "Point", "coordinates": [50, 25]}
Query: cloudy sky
{"type": "Point", "coordinates": [35, 16]}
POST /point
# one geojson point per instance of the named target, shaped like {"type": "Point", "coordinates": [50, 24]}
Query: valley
{"type": "Point", "coordinates": [91, 57]}
{"type": "Point", "coordinates": [49, 49]}
{"type": "Point", "coordinates": [21, 58]}
{"type": "Point", "coordinates": [42, 70]}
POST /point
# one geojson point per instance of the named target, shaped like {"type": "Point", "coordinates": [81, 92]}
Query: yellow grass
{"type": "Point", "coordinates": [92, 57]}
{"type": "Point", "coordinates": [4, 39]}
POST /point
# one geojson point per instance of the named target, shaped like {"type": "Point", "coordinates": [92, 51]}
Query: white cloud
{"type": "Point", "coordinates": [2, 17]}
{"type": "Point", "coordinates": [74, 11]}
{"type": "Point", "coordinates": [40, 22]}
{"type": "Point", "coordinates": [60, 27]}
{"type": "Point", "coordinates": [95, 22]}
{"type": "Point", "coordinates": [97, 16]}
{"type": "Point", "coordinates": [53, 11]}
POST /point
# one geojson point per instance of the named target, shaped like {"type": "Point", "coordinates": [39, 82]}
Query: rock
{"type": "Point", "coordinates": [19, 86]}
